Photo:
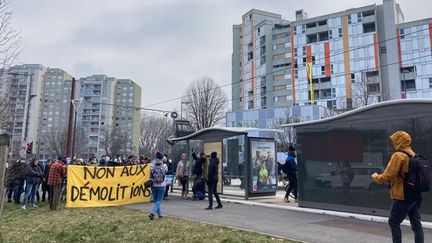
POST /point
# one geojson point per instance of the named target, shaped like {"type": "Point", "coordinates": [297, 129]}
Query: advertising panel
{"type": "Point", "coordinates": [263, 169]}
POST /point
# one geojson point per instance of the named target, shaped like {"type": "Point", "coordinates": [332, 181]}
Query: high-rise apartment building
{"type": "Point", "coordinates": [39, 100]}
{"type": "Point", "coordinates": [109, 111]}
{"type": "Point", "coordinates": [341, 60]}
{"type": "Point", "coordinates": [126, 115]}
{"type": "Point", "coordinates": [23, 85]}
{"type": "Point", "coordinates": [55, 113]}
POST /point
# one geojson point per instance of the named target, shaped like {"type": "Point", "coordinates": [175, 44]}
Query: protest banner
{"type": "Point", "coordinates": [94, 186]}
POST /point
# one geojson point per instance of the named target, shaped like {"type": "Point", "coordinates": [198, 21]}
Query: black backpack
{"type": "Point", "coordinates": [417, 179]}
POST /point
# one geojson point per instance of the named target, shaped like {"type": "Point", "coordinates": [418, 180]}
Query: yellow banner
{"type": "Point", "coordinates": [93, 186]}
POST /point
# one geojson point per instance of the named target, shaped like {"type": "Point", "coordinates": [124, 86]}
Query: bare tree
{"type": "Point", "coordinates": [287, 137]}
{"type": "Point", "coordinates": [366, 91]}
{"type": "Point", "coordinates": [114, 140]}
{"type": "Point", "coordinates": [55, 142]}
{"type": "Point", "coordinates": [154, 134]}
{"type": "Point", "coordinates": [205, 103]}
{"type": "Point", "coordinates": [10, 48]}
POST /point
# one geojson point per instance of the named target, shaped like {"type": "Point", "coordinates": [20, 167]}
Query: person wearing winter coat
{"type": "Point", "coordinates": [182, 174]}
{"type": "Point", "coordinates": [200, 161]}
{"type": "Point", "coordinates": [212, 180]}
{"type": "Point", "coordinates": [18, 172]}
{"type": "Point", "coordinates": [34, 175]}
{"type": "Point", "coordinates": [45, 186]}
{"type": "Point", "coordinates": [404, 202]}
{"type": "Point", "coordinates": [157, 173]}
{"type": "Point", "coordinates": [290, 169]}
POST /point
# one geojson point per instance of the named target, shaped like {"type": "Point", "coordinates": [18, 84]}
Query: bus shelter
{"type": "Point", "coordinates": [247, 158]}
{"type": "Point", "coordinates": [336, 156]}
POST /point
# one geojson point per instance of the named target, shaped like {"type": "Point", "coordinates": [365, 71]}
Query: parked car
{"type": "Point", "coordinates": [361, 178]}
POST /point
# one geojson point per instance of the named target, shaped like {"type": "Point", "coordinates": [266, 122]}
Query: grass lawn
{"type": "Point", "coordinates": [110, 224]}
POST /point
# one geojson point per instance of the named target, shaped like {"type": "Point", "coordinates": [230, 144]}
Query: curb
{"type": "Point", "coordinates": [365, 217]}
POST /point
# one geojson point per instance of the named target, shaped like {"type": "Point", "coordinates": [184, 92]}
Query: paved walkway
{"type": "Point", "coordinates": [302, 226]}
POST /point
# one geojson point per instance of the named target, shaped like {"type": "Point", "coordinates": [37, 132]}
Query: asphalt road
{"type": "Point", "coordinates": [285, 223]}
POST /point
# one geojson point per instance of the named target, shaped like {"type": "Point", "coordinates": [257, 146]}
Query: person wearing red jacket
{"type": "Point", "coordinates": [55, 178]}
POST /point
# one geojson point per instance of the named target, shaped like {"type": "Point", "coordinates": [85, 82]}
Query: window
{"type": "Point", "coordinates": [278, 57]}
{"type": "Point", "coordinates": [359, 17]}
{"type": "Point", "coordinates": [408, 84]}
{"type": "Point", "coordinates": [330, 34]}
{"type": "Point", "coordinates": [250, 56]}
{"type": "Point", "coordinates": [311, 25]}
{"type": "Point", "coordinates": [368, 13]}
{"type": "Point", "coordinates": [304, 50]}
{"type": "Point", "coordinates": [333, 92]}
{"type": "Point", "coordinates": [331, 68]}
{"type": "Point", "coordinates": [295, 30]}
{"type": "Point", "coordinates": [263, 80]}
{"type": "Point", "coordinates": [262, 60]}
{"type": "Point", "coordinates": [279, 87]}
{"type": "Point", "coordinates": [262, 40]}
{"type": "Point", "coordinates": [430, 83]}
{"type": "Point", "coordinates": [402, 33]}
{"type": "Point", "coordinates": [295, 52]}
{"type": "Point", "coordinates": [278, 77]}
{"type": "Point", "coordinates": [352, 78]}
{"type": "Point", "coordinates": [369, 27]}
{"type": "Point", "coordinates": [349, 19]}
{"type": "Point", "coordinates": [312, 38]}
{"type": "Point", "coordinates": [383, 49]}
{"type": "Point", "coordinates": [322, 70]}
{"type": "Point", "coordinates": [374, 88]}
{"type": "Point", "coordinates": [262, 50]}
{"type": "Point", "coordinates": [303, 29]}
{"type": "Point", "coordinates": [323, 36]}
{"type": "Point", "coordinates": [340, 32]}
{"type": "Point", "coordinates": [322, 22]}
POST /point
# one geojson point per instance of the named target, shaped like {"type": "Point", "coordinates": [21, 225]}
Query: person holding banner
{"type": "Point", "coordinates": [157, 173]}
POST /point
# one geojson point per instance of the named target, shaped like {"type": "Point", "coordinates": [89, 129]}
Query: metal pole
{"type": "Point", "coordinates": [74, 131]}
{"type": "Point", "coordinates": [181, 110]}
{"type": "Point", "coordinates": [70, 123]}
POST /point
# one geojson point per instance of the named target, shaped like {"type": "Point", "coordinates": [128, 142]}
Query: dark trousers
{"type": "Point", "coordinates": [10, 188]}
{"type": "Point", "coordinates": [166, 191]}
{"type": "Point", "coordinates": [18, 190]}
{"type": "Point", "coordinates": [292, 186]}
{"type": "Point", "coordinates": [55, 196]}
{"type": "Point", "coordinates": [45, 191]}
{"type": "Point", "coordinates": [399, 210]}
{"type": "Point", "coordinates": [184, 181]}
{"type": "Point", "coordinates": [212, 190]}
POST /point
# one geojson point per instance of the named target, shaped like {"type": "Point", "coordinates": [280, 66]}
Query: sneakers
{"type": "Point", "coordinates": [209, 208]}
{"type": "Point", "coordinates": [219, 206]}
{"type": "Point", "coordinates": [23, 207]}
{"type": "Point", "coordinates": [151, 216]}
{"type": "Point", "coordinates": [160, 216]}
{"type": "Point", "coordinates": [34, 206]}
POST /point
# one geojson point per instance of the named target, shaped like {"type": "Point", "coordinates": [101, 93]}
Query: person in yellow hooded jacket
{"type": "Point", "coordinates": [403, 204]}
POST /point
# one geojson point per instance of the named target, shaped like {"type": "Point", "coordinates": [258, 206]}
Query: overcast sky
{"type": "Point", "coordinates": [160, 44]}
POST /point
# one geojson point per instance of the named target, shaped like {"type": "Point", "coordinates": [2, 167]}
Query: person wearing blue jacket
{"type": "Point", "coordinates": [290, 168]}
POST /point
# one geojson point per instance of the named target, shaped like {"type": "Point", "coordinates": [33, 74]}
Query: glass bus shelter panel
{"type": "Point", "coordinates": [234, 166]}
{"type": "Point", "coordinates": [336, 161]}
{"type": "Point", "coordinates": [187, 147]}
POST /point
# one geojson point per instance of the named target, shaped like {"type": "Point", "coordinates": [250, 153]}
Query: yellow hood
{"type": "Point", "coordinates": [401, 140]}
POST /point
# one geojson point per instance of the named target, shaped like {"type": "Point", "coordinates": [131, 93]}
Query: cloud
{"type": "Point", "coordinates": [162, 45]}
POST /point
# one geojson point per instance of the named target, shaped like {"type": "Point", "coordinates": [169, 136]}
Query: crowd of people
{"type": "Point", "coordinates": [31, 182]}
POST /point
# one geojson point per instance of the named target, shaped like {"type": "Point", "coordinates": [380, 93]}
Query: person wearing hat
{"type": "Point", "coordinates": [157, 173]}
{"type": "Point", "coordinates": [55, 178]}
